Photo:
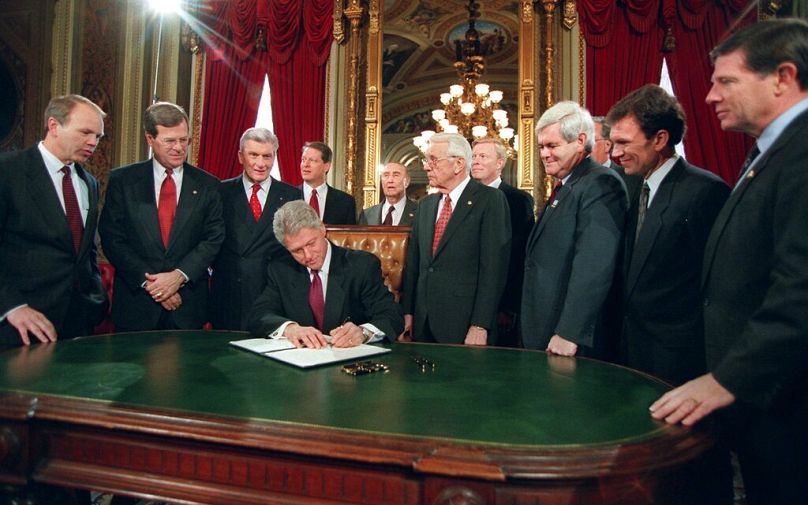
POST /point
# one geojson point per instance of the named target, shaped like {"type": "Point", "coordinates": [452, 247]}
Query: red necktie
{"type": "Point", "coordinates": [388, 219]}
{"type": "Point", "coordinates": [440, 226]}
{"type": "Point", "coordinates": [255, 204]}
{"type": "Point", "coordinates": [316, 300]}
{"type": "Point", "coordinates": [72, 211]}
{"type": "Point", "coordinates": [167, 206]}
{"type": "Point", "coordinates": [554, 193]}
{"type": "Point", "coordinates": [314, 202]}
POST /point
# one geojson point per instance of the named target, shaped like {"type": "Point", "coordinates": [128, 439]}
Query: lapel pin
{"type": "Point", "coordinates": [554, 204]}
{"type": "Point", "coordinates": [469, 202]}
{"type": "Point", "coordinates": [194, 192]}
{"type": "Point", "coordinates": [750, 174]}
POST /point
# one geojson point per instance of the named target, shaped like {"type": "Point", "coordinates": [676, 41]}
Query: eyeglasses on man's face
{"type": "Point", "coordinates": [433, 162]}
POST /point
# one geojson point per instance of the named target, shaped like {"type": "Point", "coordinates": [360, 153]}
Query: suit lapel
{"type": "Point", "coordinates": [92, 211]}
{"type": "Point", "coordinates": [409, 213]}
{"type": "Point", "coordinates": [653, 224]}
{"type": "Point", "coordinates": [429, 215]}
{"type": "Point", "coordinates": [186, 206]}
{"type": "Point", "coordinates": [147, 204]}
{"type": "Point", "coordinates": [467, 200]}
{"type": "Point", "coordinates": [786, 137]}
{"type": "Point", "coordinates": [553, 207]}
{"type": "Point", "coordinates": [375, 214]}
{"type": "Point", "coordinates": [45, 198]}
{"type": "Point", "coordinates": [335, 294]}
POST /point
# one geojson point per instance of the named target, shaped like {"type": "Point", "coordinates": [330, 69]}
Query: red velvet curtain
{"type": "Point", "coordinates": [625, 51]}
{"type": "Point", "coordinates": [290, 41]}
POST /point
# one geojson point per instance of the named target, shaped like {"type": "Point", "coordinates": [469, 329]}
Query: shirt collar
{"type": "Point", "coordinates": [458, 190]}
{"type": "Point", "coordinates": [769, 135]}
{"type": "Point", "coordinates": [160, 170]}
{"type": "Point", "coordinates": [265, 185]}
{"type": "Point", "coordinates": [656, 178]}
{"type": "Point", "coordinates": [52, 163]}
{"type": "Point", "coordinates": [326, 262]}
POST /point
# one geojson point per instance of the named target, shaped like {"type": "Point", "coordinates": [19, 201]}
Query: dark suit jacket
{"type": "Point", "coordinates": [571, 259]}
{"type": "Point", "coordinates": [130, 235]}
{"type": "Point", "coordinates": [355, 291]}
{"type": "Point", "coordinates": [462, 284]}
{"type": "Point", "coordinates": [340, 207]}
{"type": "Point", "coordinates": [755, 283]}
{"type": "Point", "coordinates": [38, 263]}
{"type": "Point", "coordinates": [373, 215]}
{"type": "Point", "coordinates": [662, 319]}
{"type": "Point", "coordinates": [238, 272]}
{"type": "Point", "coordinates": [521, 206]}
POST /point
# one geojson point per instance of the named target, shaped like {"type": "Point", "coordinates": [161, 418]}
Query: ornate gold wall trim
{"type": "Point", "coordinates": [581, 68]}
{"type": "Point", "coordinates": [373, 100]}
{"type": "Point", "coordinates": [526, 162]}
{"type": "Point", "coordinates": [64, 47]}
{"type": "Point", "coordinates": [197, 101]}
{"type": "Point", "coordinates": [354, 13]}
{"type": "Point", "coordinates": [131, 102]}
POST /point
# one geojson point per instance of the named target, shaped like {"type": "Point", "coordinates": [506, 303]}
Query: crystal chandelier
{"type": "Point", "coordinates": [470, 107]}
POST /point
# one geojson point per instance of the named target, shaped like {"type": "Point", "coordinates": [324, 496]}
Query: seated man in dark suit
{"type": "Point", "coordinates": [322, 289]}
{"type": "Point", "coordinates": [396, 209]}
{"type": "Point", "coordinates": [332, 205]}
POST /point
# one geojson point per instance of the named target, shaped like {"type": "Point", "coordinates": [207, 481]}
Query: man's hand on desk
{"type": "Point", "coordinates": [406, 335]}
{"type": "Point", "coordinates": [27, 320]}
{"type": "Point", "coordinates": [561, 346]}
{"type": "Point", "coordinates": [164, 285]}
{"type": "Point", "coordinates": [477, 335]}
{"type": "Point", "coordinates": [305, 336]}
{"type": "Point", "coordinates": [347, 335]}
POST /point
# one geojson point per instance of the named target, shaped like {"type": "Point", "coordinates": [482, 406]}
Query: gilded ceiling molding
{"type": "Point", "coordinates": [354, 13]}
{"type": "Point", "coordinates": [373, 132]}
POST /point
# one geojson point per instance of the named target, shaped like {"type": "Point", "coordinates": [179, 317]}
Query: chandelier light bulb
{"type": "Point", "coordinates": [500, 114]}
{"type": "Point", "coordinates": [479, 131]}
{"type": "Point", "coordinates": [467, 108]}
{"type": "Point", "coordinates": [427, 134]}
{"type": "Point", "coordinates": [496, 96]}
{"type": "Point", "coordinates": [438, 114]}
{"type": "Point", "coordinates": [506, 133]}
{"type": "Point", "coordinates": [450, 128]}
{"type": "Point", "coordinates": [456, 90]}
{"type": "Point", "coordinates": [481, 89]}
{"type": "Point", "coordinates": [502, 123]}
{"type": "Point", "coordinates": [445, 98]}
{"type": "Point", "coordinates": [443, 123]}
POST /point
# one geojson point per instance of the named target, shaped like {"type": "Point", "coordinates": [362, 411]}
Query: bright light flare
{"type": "Point", "coordinates": [166, 6]}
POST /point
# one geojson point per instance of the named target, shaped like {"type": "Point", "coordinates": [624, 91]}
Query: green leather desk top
{"type": "Point", "coordinates": [480, 395]}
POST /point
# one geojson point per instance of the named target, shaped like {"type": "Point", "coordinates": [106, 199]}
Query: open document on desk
{"type": "Point", "coordinates": [303, 357]}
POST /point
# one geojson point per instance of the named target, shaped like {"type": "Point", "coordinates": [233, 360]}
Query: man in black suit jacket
{"type": "Point", "coordinates": [487, 161]}
{"type": "Point", "coordinates": [573, 248]}
{"type": "Point", "coordinates": [755, 274]}
{"type": "Point", "coordinates": [394, 179]}
{"type": "Point", "coordinates": [161, 263]}
{"type": "Point", "coordinates": [453, 280]}
{"type": "Point", "coordinates": [662, 315]}
{"type": "Point", "coordinates": [50, 286]}
{"type": "Point", "coordinates": [355, 305]}
{"type": "Point", "coordinates": [332, 205]}
{"type": "Point", "coordinates": [249, 202]}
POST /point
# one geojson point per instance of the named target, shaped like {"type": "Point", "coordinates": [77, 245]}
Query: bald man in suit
{"type": "Point", "coordinates": [50, 286]}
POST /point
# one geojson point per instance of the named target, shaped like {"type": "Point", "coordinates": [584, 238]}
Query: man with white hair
{"type": "Point", "coordinates": [572, 251]}
{"type": "Point", "coordinates": [457, 257]}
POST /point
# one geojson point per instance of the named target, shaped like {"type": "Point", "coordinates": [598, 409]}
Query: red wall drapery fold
{"type": "Point", "coordinates": [625, 51]}
{"type": "Point", "coordinates": [298, 41]}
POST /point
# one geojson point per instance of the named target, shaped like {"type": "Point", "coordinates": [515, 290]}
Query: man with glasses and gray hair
{"type": "Point", "coordinates": [457, 257]}
{"type": "Point", "coordinates": [321, 289]}
{"type": "Point", "coordinates": [249, 202]}
{"type": "Point", "coordinates": [161, 228]}
{"type": "Point", "coordinates": [573, 249]}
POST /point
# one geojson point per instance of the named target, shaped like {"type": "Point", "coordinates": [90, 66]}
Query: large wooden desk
{"type": "Point", "coordinates": [184, 417]}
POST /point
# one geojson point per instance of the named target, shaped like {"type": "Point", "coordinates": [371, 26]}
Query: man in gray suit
{"type": "Point", "coordinates": [397, 209]}
{"type": "Point", "coordinates": [573, 248]}
{"type": "Point", "coordinates": [457, 257]}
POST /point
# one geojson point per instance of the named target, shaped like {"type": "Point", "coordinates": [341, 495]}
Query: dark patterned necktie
{"type": "Point", "coordinates": [440, 225]}
{"type": "Point", "coordinates": [316, 299]}
{"type": "Point", "coordinates": [167, 206]}
{"type": "Point", "coordinates": [642, 207]}
{"type": "Point", "coordinates": [255, 203]}
{"type": "Point", "coordinates": [72, 211]}
{"type": "Point", "coordinates": [388, 219]}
